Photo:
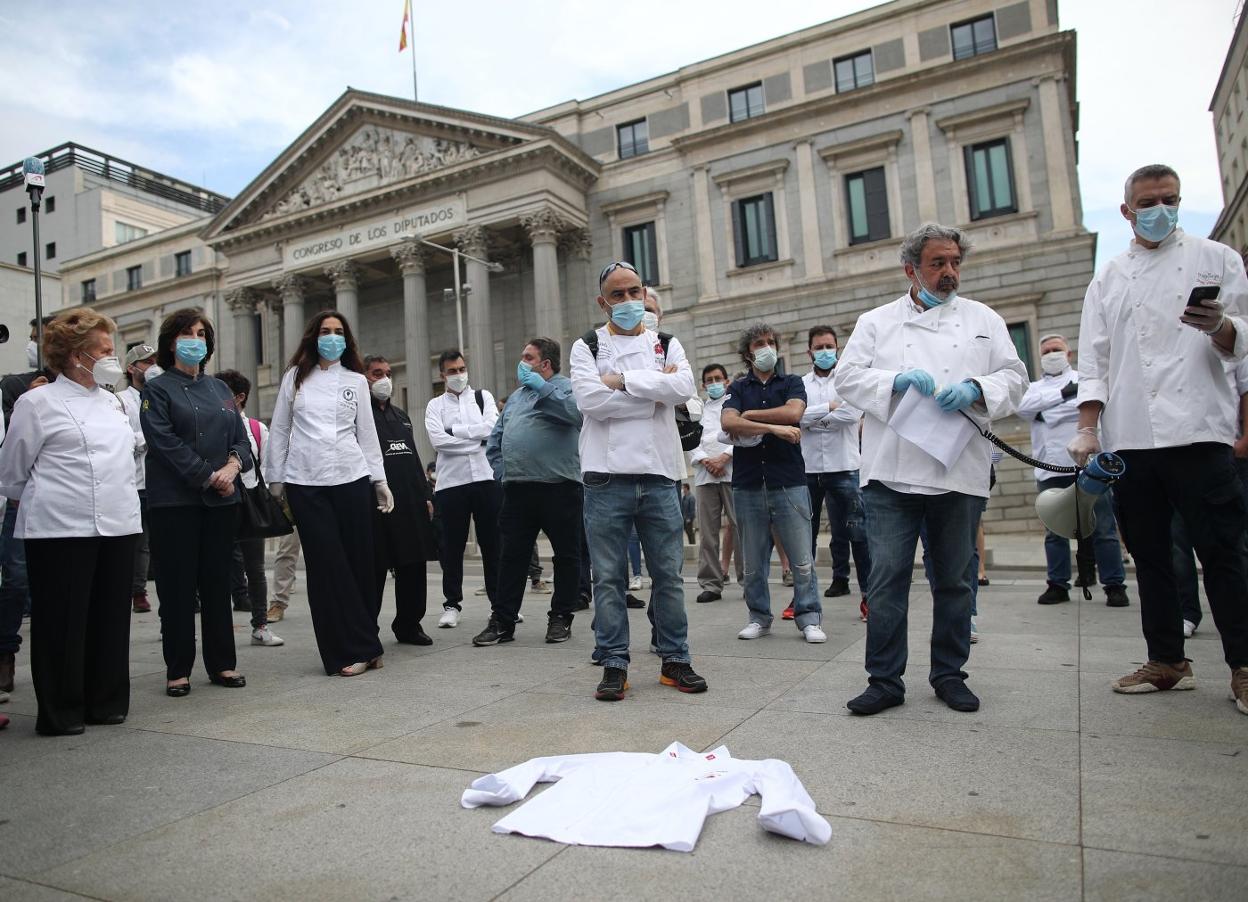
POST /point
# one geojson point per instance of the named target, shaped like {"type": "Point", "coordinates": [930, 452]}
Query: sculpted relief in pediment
{"type": "Point", "coordinates": [373, 157]}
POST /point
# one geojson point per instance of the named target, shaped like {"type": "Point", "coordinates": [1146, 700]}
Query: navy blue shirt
{"type": "Point", "coordinates": [774, 461]}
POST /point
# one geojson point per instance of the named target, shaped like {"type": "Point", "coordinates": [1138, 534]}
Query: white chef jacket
{"type": "Point", "coordinates": [250, 479]}
{"type": "Point", "coordinates": [1051, 435]}
{"type": "Point", "coordinates": [829, 437]}
{"type": "Point", "coordinates": [962, 339]}
{"type": "Point", "coordinates": [461, 457]}
{"type": "Point", "coordinates": [324, 433]}
{"type": "Point", "coordinates": [69, 460]}
{"type": "Point", "coordinates": [639, 799]}
{"type": "Point", "coordinates": [1163, 383]}
{"type": "Point", "coordinates": [710, 445]}
{"type": "Point", "coordinates": [633, 431]}
{"type": "Point", "coordinates": [132, 400]}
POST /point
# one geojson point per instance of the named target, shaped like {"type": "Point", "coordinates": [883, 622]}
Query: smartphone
{"type": "Point", "coordinates": [1202, 293]}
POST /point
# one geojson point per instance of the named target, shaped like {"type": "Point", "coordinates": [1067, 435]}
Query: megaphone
{"type": "Point", "coordinates": [1068, 511]}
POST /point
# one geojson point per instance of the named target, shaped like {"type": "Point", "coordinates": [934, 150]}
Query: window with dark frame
{"type": "Point", "coordinates": [182, 264]}
{"type": "Point", "coordinates": [49, 205]}
{"type": "Point", "coordinates": [134, 278]}
{"type": "Point", "coordinates": [973, 37]}
{"type": "Point", "coordinates": [854, 71]}
{"type": "Point", "coordinates": [88, 291]}
{"type": "Point", "coordinates": [633, 138]}
{"type": "Point", "coordinates": [21, 258]}
{"type": "Point", "coordinates": [745, 102]}
{"type": "Point", "coordinates": [754, 230]}
{"type": "Point", "coordinates": [866, 197]}
{"type": "Point", "coordinates": [990, 179]}
{"type": "Point", "coordinates": [49, 251]}
{"type": "Point", "coordinates": [1020, 334]}
{"type": "Point", "coordinates": [641, 249]}
{"type": "Point", "coordinates": [21, 215]}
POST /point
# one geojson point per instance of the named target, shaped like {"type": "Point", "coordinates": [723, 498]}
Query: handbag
{"type": "Point", "coordinates": [263, 516]}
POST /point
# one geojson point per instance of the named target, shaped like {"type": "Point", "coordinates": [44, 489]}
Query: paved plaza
{"type": "Point", "coordinates": [308, 787]}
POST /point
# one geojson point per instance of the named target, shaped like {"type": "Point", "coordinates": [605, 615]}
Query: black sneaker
{"type": "Point", "coordinates": [953, 692]}
{"type": "Point", "coordinates": [1053, 595]}
{"type": "Point", "coordinates": [632, 601]}
{"type": "Point", "coordinates": [838, 588]}
{"type": "Point", "coordinates": [582, 603]}
{"type": "Point", "coordinates": [558, 628]}
{"type": "Point", "coordinates": [873, 701]}
{"type": "Point", "coordinates": [681, 675]}
{"type": "Point", "coordinates": [613, 686]}
{"type": "Point", "coordinates": [708, 596]}
{"type": "Point", "coordinates": [1116, 596]}
{"type": "Point", "coordinates": [494, 633]}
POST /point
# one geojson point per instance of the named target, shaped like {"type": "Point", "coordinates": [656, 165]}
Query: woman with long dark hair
{"type": "Point", "coordinates": [323, 455]}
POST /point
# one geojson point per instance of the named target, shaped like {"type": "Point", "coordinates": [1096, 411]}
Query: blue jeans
{"type": "Point", "coordinates": [634, 553]}
{"type": "Point", "coordinates": [1104, 542]}
{"type": "Point", "coordinates": [893, 521]}
{"type": "Point", "coordinates": [614, 503]}
{"type": "Point", "coordinates": [14, 592]}
{"type": "Point", "coordinates": [845, 517]}
{"type": "Point", "coordinates": [787, 510]}
{"type": "Point", "coordinates": [927, 560]}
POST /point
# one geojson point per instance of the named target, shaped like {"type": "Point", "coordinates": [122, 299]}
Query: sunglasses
{"type": "Point", "coordinates": [612, 267]}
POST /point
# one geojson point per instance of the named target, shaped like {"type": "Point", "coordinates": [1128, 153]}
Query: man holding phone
{"type": "Point", "coordinates": [1160, 321]}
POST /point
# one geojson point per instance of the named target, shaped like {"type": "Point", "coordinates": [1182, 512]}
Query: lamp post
{"type": "Point", "coordinates": [32, 175]}
{"type": "Point", "coordinates": [460, 289]}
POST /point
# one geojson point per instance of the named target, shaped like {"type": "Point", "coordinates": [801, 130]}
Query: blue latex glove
{"type": "Point", "coordinates": [920, 379]}
{"type": "Point", "coordinates": [529, 377]}
{"type": "Point", "coordinates": [958, 397]}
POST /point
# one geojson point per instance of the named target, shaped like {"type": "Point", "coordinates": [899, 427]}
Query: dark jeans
{"type": "Point", "coordinates": [248, 584]}
{"type": "Point", "coordinates": [845, 517]}
{"type": "Point", "coordinates": [927, 560]}
{"type": "Point", "coordinates": [14, 592]}
{"type": "Point", "coordinates": [555, 509]}
{"type": "Point", "coordinates": [480, 502]}
{"type": "Point", "coordinates": [1200, 483]}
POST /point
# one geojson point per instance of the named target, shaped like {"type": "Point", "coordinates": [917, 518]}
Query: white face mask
{"type": "Point", "coordinates": [107, 371]}
{"type": "Point", "coordinates": [457, 383]}
{"type": "Point", "coordinates": [1054, 363]}
{"type": "Point", "coordinates": [650, 321]}
{"type": "Point", "coordinates": [32, 354]}
{"type": "Point", "coordinates": [151, 373]}
{"type": "Point", "coordinates": [382, 388]}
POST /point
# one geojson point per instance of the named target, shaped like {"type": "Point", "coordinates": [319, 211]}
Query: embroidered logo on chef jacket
{"type": "Point", "coordinates": [1208, 278]}
{"type": "Point", "coordinates": [348, 395]}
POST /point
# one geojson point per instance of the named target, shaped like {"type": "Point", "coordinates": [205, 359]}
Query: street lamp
{"type": "Point", "coordinates": [461, 290]}
{"type": "Point", "coordinates": [32, 175]}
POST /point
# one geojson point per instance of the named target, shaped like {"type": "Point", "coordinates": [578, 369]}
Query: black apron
{"type": "Point", "coordinates": [405, 535]}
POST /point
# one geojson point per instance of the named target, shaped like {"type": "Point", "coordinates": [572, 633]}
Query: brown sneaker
{"type": "Point", "coordinates": [1239, 688]}
{"type": "Point", "coordinates": [275, 613]}
{"type": "Point", "coordinates": [1156, 677]}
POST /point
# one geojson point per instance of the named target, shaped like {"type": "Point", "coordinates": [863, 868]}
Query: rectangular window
{"type": "Point", "coordinates": [990, 177]}
{"type": "Point", "coordinates": [867, 201]}
{"type": "Point", "coordinates": [1020, 334]}
{"type": "Point", "coordinates": [746, 102]}
{"type": "Point", "coordinates": [88, 291]}
{"type": "Point", "coordinates": [124, 232]}
{"type": "Point", "coordinates": [21, 215]}
{"type": "Point", "coordinates": [21, 258]}
{"type": "Point", "coordinates": [641, 249]}
{"type": "Point", "coordinates": [49, 251]}
{"type": "Point", "coordinates": [855, 71]}
{"type": "Point", "coordinates": [134, 278]}
{"type": "Point", "coordinates": [974, 37]}
{"type": "Point", "coordinates": [754, 229]}
{"type": "Point", "coordinates": [49, 204]}
{"type": "Point", "coordinates": [182, 264]}
{"type": "Point", "coordinates": [634, 138]}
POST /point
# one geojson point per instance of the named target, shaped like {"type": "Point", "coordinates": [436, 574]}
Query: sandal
{"type": "Point", "coordinates": [376, 663]}
{"type": "Point", "coordinates": [353, 670]}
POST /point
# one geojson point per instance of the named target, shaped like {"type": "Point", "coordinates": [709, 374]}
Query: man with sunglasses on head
{"type": "Point", "coordinates": [627, 383]}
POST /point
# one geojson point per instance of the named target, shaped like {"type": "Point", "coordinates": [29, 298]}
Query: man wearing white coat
{"type": "Point", "coordinates": [934, 342]}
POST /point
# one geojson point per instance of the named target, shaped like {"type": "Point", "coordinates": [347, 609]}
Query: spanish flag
{"type": "Point", "coordinates": [407, 13]}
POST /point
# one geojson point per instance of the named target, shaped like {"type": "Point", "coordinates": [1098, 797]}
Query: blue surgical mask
{"type": "Point", "coordinates": [190, 351]}
{"type": "Point", "coordinates": [1156, 223]}
{"type": "Point", "coordinates": [716, 390]}
{"type": "Point", "coordinates": [522, 370]}
{"type": "Point", "coordinates": [627, 314]}
{"type": "Point", "coordinates": [825, 359]}
{"type": "Point", "coordinates": [765, 359]}
{"type": "Point", "coordinates": [331, 347]}
{"type": "Point", "coordinates": [930, 300]}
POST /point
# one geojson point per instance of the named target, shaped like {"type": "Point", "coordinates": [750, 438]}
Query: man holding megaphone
{"type": "Point", "coordinates": [1159, 322]}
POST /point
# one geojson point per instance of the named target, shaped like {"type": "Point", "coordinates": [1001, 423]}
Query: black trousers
{"type": "Point", "coordinates": [193, 547]}
{"type": "Point", "coordinates": [479, 501]}
{"type": "Point", "coordinates": [409, 598]}
{"type": "Point", "coordinates": [554, 508]}
{"type": "Point", "coordinates": [80, 628]}
{"type": "Point", "coordinates": [249, 585]}
{"type": "Point", "coordinates": [335, 525]}
{"type": "Point", "coordinates": [1199, 481]}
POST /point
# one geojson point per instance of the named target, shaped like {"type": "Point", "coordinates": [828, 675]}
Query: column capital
{"type": "Point", "coordinates": [242, 300]}
{"type": "Point", "coordinates": [411, 257]}
{"type": "Point", "coordinates": [289, 287]}
{"type": "Point", "coordinates": [474, 240]}
{"type": "Point", "coordinates": [578, 242]}
{"type": "Point", "coordinates": [543, 225]}
{"type": "Point", "coordinates": [345, 275]}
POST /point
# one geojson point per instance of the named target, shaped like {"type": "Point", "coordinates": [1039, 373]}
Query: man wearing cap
{"type": "Point", "coordinates": [140, 364]}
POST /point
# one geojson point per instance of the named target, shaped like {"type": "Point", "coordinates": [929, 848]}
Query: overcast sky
{"type": "Point", "coordinates": [211, 93]}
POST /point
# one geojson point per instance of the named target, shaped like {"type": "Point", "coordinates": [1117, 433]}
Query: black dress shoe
{"type": "Point", "coordinates": [68, 731]}
{"type": "Point", "coordinates": [953, 692]}
{"type": "Point", "coordinates": [839, 587]}
{"type": "Point", "coordinates": [582, 603]}
{"type": "Point", "coordinates": [1053, 594]}
{"type": "Point", "coordinates": [420, 637]}
{"type": "Point", "coordinates": [633, 601]}
{"type": "Point", "coordinates": [708, 596]}
{"type": "Point", "coordinates": [873, 701]}
{"type": "Point", "coordinates": [178, 691]}
{"type": "Point", "coordinates": [238, 681]}
{"type": "Point", "coordinates": [111, 721]}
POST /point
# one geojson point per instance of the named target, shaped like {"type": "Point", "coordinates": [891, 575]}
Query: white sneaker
{"type": "Point", "coordinates": [481, 590]}
{"type": "Point", "coordinates": [449, 618]}
{"type": "Point", "coordinates": [264, 636]}
{"type": "Point", "coordinates": [519, 618]}
{"type": "Point", "coordinates": [754, 630]}
{"type": "Point", "coordinates": [1188, 629]}
{"type": "Point", "coordinates": [4, 697]}
{"type": "Point", "coordinates": [634, 584]}
{"type": "Point", "coordinates": [540, 587]}
{"type": "Point", "coordinates": [974, 632]}
{"type": "Point", "coordinates": [814, 634]}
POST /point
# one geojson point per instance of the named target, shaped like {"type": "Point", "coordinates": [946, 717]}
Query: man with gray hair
{"type": "Point", "coordinates": [1052, 409]}
{"type": "Point", "coordinates": [957, 353]}
{"type": "Point", "coordinates": [1160, 323]}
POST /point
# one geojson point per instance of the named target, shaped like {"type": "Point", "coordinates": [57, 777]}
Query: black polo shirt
{"type": "Point", "coordinates": [774, 461]}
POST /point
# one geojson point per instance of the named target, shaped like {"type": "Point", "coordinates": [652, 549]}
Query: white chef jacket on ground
{"type": "Point", "coordinates": [962, 339]}
{"type": "Point", "coordinates": [461, 457]}
{"type": "Point", "coordinates": [633, 431]}
{"type": "Point", "coordinates": [1163, 383]}
{"type": "Point", "coordinates": [639, 799]}
{"type": "Point", "coordinates": [250, 479]}
{"type": "Point", "coordinates": [710, 445]}
{"type": "Point", "coordinates": [1051, 434]}
{"type": "Point", "coordinates": [829, 437]}
{"type": "Point", "coordinates": [324, 433]}
{"type": "Point", "coordinates": [69, 459]}
{"type": "Point", "coordinates": [131, 401]}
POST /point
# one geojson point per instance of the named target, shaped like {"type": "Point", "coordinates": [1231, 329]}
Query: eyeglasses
{"type": "Point", "coordinates": [612, 267]}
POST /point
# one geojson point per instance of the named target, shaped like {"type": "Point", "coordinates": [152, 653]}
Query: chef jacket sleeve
{"type": "Point", "coordinates": [22, 444]}
{"type": "Point", "coordinates": [787, 808]}
{"type": "Point", "coordinates": [1006, 379]}
{"type": "Point", "coordinates": [666, 388]}
{"type": "Point", "coordinates": [366, 435]}
{"type": "Point", "coordinates": [594, 399]}
{"type": "Point", "coordinates": [858, 380]}
{"type": "Point", "coordinates": [279, 431]}
{"type": "Point", "coordinates": [514, 783]}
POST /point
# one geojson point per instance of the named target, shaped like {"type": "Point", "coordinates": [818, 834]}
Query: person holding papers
{"type": "Point", "coordinates": [950, 358]}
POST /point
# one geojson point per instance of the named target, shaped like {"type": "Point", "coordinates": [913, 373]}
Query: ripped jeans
{"type": "Point", "coordinates": [786, 508]}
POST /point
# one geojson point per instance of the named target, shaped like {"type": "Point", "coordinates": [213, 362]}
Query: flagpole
{"type": "Point", "coordinates": [412, 24]}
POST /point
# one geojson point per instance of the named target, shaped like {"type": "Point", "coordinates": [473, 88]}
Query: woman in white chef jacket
{"type": "Point", "coordinates": [69, 459]}
{"type": "Point", "coordinates": [323, 454]}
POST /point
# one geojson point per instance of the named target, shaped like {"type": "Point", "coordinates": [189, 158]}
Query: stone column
{"type": "Point", "coordinates": [242, 302]}
{"type": "Point", "coordinates": [473, 239]}
{"type": "Point", "coordinates": [583, 312]}
{"type": "Point", "coordinates": [924, 175]}
{"type": "Point", "coordinates": [290, 290]}
{"type": "Point", "coordinates": [708, 277]}
{"type": "Point", "coordinates": [543, 227]}
{"type": "Point", "coordinates": [346, 278]}
{"type": "Point", "coordinates": [1061, 183]}
{"type": "Point", "coordinates": [158, 317]}
{"type": "Point", "coordinates": [411, 259]}
{"type": "Point", "coordinates": [807, 199]}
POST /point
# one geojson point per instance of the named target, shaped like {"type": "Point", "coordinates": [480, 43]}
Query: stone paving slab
{"type": "Point", "coordinates": [1119, 877]}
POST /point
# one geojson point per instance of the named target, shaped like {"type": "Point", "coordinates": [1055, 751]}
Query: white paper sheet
{"type": "Point", "coordinates": [919, 420]}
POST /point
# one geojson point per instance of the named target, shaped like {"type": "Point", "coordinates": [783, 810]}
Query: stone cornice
{"type": "Point", "coordinates": [771, 167]}
{"type": "Point", "coordinates": [1009, 109]}
{"type": "Point", "coordinates": [883, 141]}
{"type": "Point", "coordinates": [654, 198]}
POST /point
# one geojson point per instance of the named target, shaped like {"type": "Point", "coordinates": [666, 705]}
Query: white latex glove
{"type": "Point", "coordinates": [1207, 317]}
{"type": "Point", "coordinates": [277, 490]}
{"type": "Point", "coordinates": [1083, 445]}
{"type": "Point", "coordinates": [385, 501]}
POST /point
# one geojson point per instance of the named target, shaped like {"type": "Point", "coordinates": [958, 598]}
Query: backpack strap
{"type": "Point", "coordinates": [665, 339]}
{"type": "Point", "coordinates": [591, 341]}
{"type": "Point", "coordinates": [476, 393]}
{"type": "Point", "coordinates": [255, 433]}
